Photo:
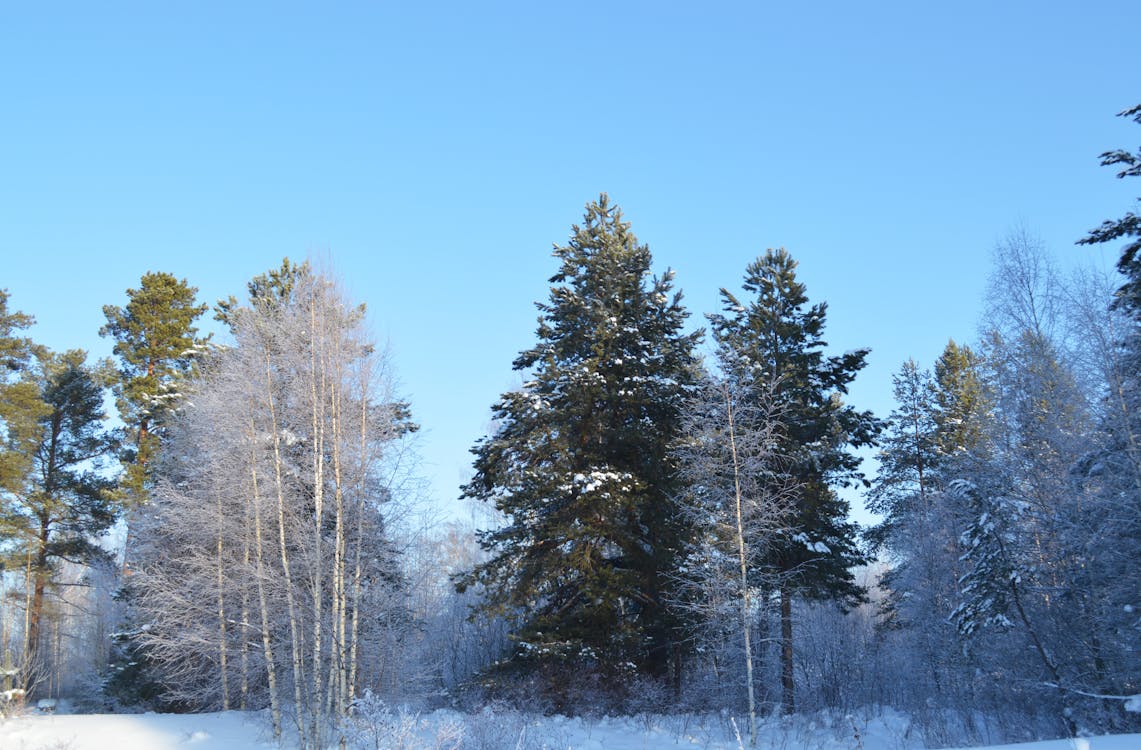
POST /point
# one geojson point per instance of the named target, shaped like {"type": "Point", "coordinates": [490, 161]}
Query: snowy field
{"type": "Point", "coordinates": [443, 730]}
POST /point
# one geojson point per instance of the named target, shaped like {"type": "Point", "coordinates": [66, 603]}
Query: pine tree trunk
{"type": "Point", "coordinates": [39, 571]}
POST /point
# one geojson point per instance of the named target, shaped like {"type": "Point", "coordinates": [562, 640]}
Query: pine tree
{"type": "Point", "coordinates": [776, 340]}
{"type": "Point", "coordinates": [62, 502]}
{"type": "Point", "coordinates": [156, 342]}
{"type": "Point", "coordinates": [20, 403]}
{"type": "Point", "coordinates": [580, 463]}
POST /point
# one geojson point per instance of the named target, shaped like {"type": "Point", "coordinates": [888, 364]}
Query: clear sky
{"type": "Point", "coordinates": [432, 152]}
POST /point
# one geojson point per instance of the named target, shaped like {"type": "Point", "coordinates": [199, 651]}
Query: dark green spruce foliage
{"type": "Point", "coordinates": [937, 428]}
{"type": "Point", "coordinates": [776, 338]}
{"type": "Point", "coordinates": [908, 453]}
{"type": "Point", "coordinates": [1127, 227]}
{"type": "Point", "coordinates": [156, 342]}
{"type": "Point", "coordinates": [580, 464]}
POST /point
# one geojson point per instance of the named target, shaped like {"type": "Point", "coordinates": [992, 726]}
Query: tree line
{"type": "Point", "coordinates": [660, 529]}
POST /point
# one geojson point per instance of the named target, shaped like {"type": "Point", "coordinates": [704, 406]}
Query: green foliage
{"type": "Point", "coordinates": [65, 500]}
{"type": "Point", "coordinates": [962, 403]}
{"type": "Point", "coordinates": [59, 501]}
{"type": "Point", "coordinates": [580, 462]}
{"type": "Point", "coordinates": [273, 288]}
{"type": "Point", "coordinates": [776, 339]}
{"type": "Point", "coordinates": [908, 453]}
{"type": "Point", "coordinates": [20, 405]}
{"type": "Point", "coordinates": [156, 342]}
{"type": "Point", "coordinates": [1127, 227]}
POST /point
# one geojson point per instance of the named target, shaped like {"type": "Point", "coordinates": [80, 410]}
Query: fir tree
{"type": "Point", "coordinates": [908, 453]}
{"type": "Point", "coordinates": [775, 339]}
{"type": "Point", "coordinates": [580, 464]}
{"type": "Point", "coordinates": [962, 404]}
{"type": "Point", "coordinates": [156, 342]}
{"type": "Point", "coordinates": [1113, 471]}
{"type": "Point", "coordinates": [1127, 227]}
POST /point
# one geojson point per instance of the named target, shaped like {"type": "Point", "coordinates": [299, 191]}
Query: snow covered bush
{"type": "Point", "coordinates": [374, 725]}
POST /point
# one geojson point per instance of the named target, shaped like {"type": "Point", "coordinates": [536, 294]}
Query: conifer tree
{"type": "Point", "coordinates": [1113, 471]}
{"type": "Point", "coordinates": [20, 403]}
{"type": "Point", "coordinates": [58, 502]}
{"type": "Point", "coordinates": [962, 404]}
{"type": "Point", "coordinates": [1127, 227]}
{"type": "Point", "coordinates": [775, 339]}
{"type": "Point", "coordinates": [580, 463]}
{"type": "Point", "coordinates": [937, 430]}
{"type": "Point", "coordinates": [156, 342]}
{"type": "Point", "coordinates": [908, 452]}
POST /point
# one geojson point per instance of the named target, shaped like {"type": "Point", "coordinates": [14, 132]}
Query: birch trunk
{"type": "Point", "coordinates": [743, 558]}
{"type": "Point", "coordinates": [267, 643]}
{"type": "Point", "coordinates": [283, 547]}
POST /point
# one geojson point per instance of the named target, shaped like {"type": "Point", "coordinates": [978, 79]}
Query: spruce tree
{"type": "Point", "coordinates": [1127, 227]}
{"type": "Point", "coordinates": [156, 342]}
{"type": "Point", "coordinates": [580, 464]}
{"type": "Point", "coordinates": [908, 453]}
{"type": "Point", "coordinates": [775, 338]}
{"type": "Point", "coordinates": [962, 402]}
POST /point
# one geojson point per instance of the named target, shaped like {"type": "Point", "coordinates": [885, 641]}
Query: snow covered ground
{"type": "Point", "coordinates": [444, 730]}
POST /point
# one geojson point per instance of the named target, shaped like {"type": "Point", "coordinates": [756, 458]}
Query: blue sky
{"type": "Point", "coordinates": [431, 153]}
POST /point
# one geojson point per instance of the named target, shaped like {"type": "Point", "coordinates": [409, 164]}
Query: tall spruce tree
{"type": "Point", "coordinates": [776, 339]}
{"type": "Point", "coordinates": [156, 341]}
{"type": "Point", "coordinates": [580, 465]}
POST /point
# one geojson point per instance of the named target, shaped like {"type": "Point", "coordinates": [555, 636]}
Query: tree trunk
{"type": "Point", "coordinates": [222, 656]}
{"type": "Point", "coordinates": [283, 548]}
{"type": "Point", "coordinates": [742, 553]}
{"type": "Point", "coordinates": [267, 645]}
{"type": "Point", "coordinates": [788, 696]}
{"type": "Point", "coordinates": [39, 571]}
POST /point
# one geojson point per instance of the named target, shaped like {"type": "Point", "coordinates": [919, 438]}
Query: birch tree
{"type": "Point", "coordinates": [740, 502]}
{"type": "Point", "coordinates": [285, 452]}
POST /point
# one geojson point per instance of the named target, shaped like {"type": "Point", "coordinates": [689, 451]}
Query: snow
{"type": "Point", "coordinates": [219, 731]}
{"type": "Point", "coordinates": [488, 730]}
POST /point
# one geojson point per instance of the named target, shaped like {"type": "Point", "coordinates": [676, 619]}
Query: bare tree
{"type": "Point", "coordinates": [275, 490]}
{"type": "Point", "coordinates": [740, 498]}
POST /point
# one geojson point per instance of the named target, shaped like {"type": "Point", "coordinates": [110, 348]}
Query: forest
{"type": "Point", "coordinates": [663, 531]}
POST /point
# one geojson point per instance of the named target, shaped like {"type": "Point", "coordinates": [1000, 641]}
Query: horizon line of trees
{"type": "Point", "coordinates": [660, 529]}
